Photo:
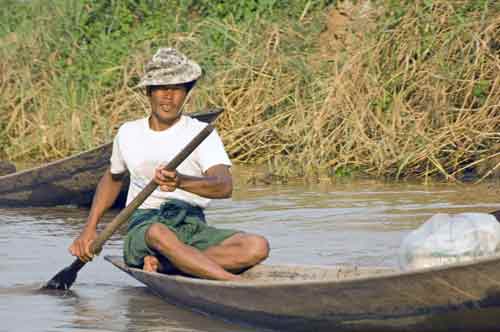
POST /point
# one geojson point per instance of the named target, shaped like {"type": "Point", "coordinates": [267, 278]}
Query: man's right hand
{"type": "Point", "coordinates": [81, 245]}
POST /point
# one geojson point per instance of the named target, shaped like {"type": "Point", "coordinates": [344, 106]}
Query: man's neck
{"type": "Point", "coordinates": [159, 125]}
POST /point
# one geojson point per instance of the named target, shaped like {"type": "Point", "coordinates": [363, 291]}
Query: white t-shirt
{"type": "Point", "coordinates": [140, 149]}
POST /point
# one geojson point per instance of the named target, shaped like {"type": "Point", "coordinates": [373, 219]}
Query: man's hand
{"type": "Point", "coordinates": [81, 246]}
{"type": "Point", "coordinates": [167, 180]}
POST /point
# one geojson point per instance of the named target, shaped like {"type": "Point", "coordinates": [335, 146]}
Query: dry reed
{"type": "Point", "coordinates": [416, 95]}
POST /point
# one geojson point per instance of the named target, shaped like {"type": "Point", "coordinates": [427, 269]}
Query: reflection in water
{"type": "Point", "coordinates": [361, 223]}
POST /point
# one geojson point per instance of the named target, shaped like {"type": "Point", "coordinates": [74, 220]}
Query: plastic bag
{"type": "Point", "coordinates": [447, 239]}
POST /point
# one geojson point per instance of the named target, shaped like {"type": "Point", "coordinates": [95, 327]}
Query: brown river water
{"type": "Point", "coordinates": [359, 223]}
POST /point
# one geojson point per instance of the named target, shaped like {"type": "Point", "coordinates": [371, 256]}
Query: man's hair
{"type": "Point", "coordinates": [188, 85]}
{"type": "Point", "coordinates": [496, 214]}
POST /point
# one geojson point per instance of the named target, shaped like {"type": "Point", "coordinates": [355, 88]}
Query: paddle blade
{"type": "Point", "coordinates": [66, 277]}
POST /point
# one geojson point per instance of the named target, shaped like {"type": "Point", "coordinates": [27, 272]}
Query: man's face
{"type": "Point", "coordinates": [166, 101]}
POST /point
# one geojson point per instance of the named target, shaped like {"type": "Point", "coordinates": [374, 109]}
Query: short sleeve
{"type": "Point", "coordinates": [211, 152]}
{"type": "Point", "coordinates": [118, 165]}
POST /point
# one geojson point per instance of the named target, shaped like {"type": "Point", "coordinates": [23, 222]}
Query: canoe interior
{"type": "Point", "coordinates": [69, 181]}
{"type": "Point", "coordinates": [287, 273]}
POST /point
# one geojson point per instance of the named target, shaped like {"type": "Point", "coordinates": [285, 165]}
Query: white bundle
{"type": "Point", "coordinates": [448, 239]}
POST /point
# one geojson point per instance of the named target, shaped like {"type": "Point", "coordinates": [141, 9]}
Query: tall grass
{"type": "Point", "coordinates": [398, 90]}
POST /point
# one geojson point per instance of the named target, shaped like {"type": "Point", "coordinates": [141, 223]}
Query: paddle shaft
{"type": "Point", "coordinates": [125, 214]}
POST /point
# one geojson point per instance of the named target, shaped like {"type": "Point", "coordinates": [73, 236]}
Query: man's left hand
{"type": "Point", "coordinates": [166, 180]}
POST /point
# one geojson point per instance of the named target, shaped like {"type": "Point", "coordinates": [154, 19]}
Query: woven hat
{"type": "Point", "coordinates": [169, 66]}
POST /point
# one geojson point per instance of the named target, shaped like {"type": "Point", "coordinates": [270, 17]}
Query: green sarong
{"type": "Point", "coordinates": [186, 221]}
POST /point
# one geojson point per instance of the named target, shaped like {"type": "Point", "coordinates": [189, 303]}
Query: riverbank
{"type": "Point", "coordinates": [377, 89]}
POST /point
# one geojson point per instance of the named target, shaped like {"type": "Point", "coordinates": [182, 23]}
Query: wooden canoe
{"type": "Point", "coordinates": [461, 297]}
{"type": "Point", "coordinates": [6, 168]}
{"type": "Point", "coordinates": [67, 181]}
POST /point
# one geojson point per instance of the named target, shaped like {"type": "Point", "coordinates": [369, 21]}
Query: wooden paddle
{"type": "Point", "coordinates": [66, 277]}
{"type": "Point", "coordinates": [496, 214]}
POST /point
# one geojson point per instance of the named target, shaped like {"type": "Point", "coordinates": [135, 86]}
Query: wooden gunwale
{"type": "Point", "coordinates": [391, 273]}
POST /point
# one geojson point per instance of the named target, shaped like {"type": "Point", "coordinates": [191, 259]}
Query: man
{"type": "Point", "coordinates": [169, 227]}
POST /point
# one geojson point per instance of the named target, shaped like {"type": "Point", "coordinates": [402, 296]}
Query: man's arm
{"type": "Point", "coordinates": [106, 193]}
{"type": "Point", "coordinates": [217, 182]}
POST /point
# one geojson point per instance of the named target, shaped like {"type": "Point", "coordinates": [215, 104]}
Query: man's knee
{"type": "Point", "coordinates": [158, 234]}
{"type": "Point", "coordinates": [256, 248]}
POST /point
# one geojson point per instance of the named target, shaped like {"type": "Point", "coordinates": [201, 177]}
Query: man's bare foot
{"type": "Point", "coordinates": [237, 278]}
{"type": "Point", "coordinates": [151, 264]}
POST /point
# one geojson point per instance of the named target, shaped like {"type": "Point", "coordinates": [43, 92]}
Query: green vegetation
{"type": "Point", "coordinates": [384, 88]}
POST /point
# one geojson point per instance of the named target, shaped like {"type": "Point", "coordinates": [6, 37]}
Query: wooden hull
{"type": "Point", "coordinates": [462, 297]}
{"type": "Point", "coordinates": [67, 181]}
